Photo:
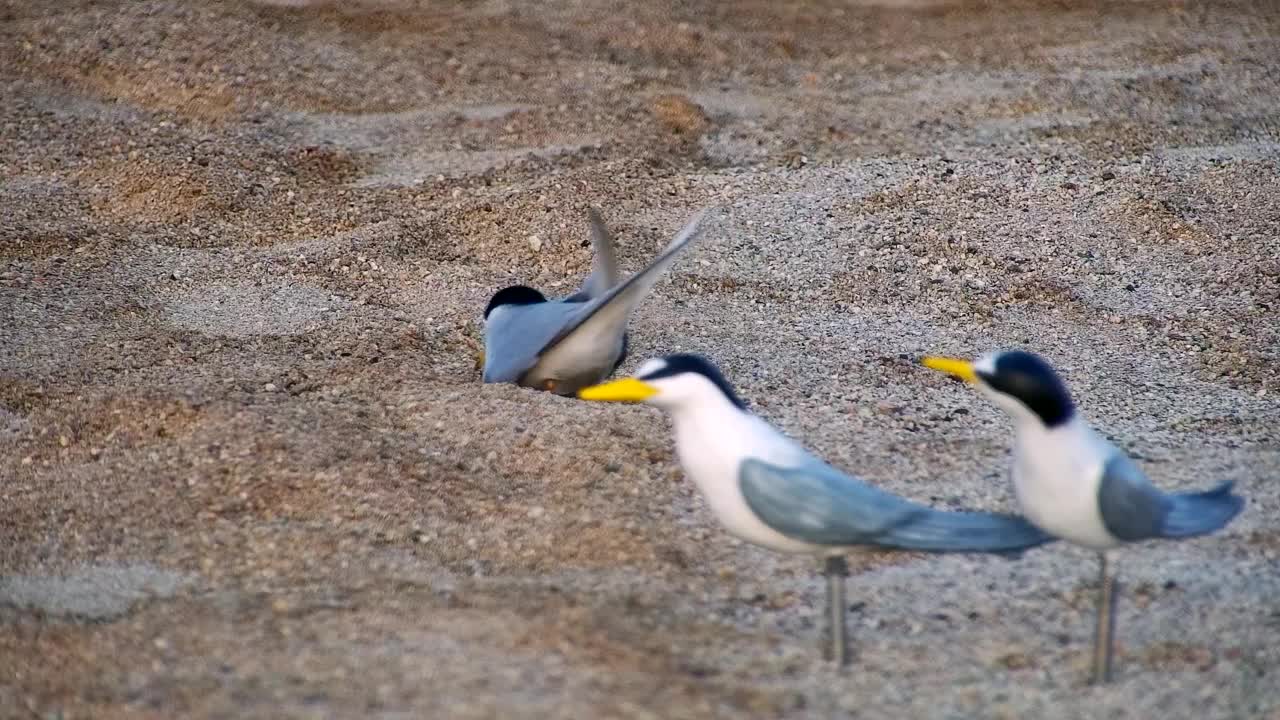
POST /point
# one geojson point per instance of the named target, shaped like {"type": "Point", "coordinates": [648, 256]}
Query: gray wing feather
{"type": "Point", "coordinates": [1200, 513]}
{"type": "Point", "coordinates": [820, 505]}
{"type": "Point", "coordinates": [614, 306]}
{"type": "Point", "coordinates": [604, 271]}
{"type": "Point", "coordinates": [1131, 507]}
{"type": "Point", "coordinates": [515, 338]}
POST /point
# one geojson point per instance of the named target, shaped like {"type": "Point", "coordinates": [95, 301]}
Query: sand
{"type": "Point", "coordinates": [247, 468]}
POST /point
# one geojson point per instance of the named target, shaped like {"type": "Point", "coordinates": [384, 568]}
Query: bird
{"type": "Point", "coordinates": [566, 344]}
{"type": "Point", "coordinates": [767, 489]}
{"type": "Point", "coordinates": [1077, 486]}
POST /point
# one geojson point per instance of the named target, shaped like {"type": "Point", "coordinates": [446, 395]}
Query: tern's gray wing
{"type": "Point", "coordinates": [607, 314]}
{"type": "Point", "coordinates": [1134, 509]}
{"type": "Point", "coordinates": [604, 270]}
{"type": "Point", "coordinates": [818, 504]}
{"type": "Point", "coordinates": [1131, 507]}
{"type": "Point", "coordinates": [515, 336]}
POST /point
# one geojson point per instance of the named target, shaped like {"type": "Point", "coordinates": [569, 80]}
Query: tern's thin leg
{"type": "Point", "coordinates": [1104, 641]}
{"type": "Point", "coordinates": [836, 570]}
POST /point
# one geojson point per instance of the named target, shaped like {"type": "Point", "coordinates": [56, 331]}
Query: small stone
{"type": "Point", "coordinates": [1016, 660]}
{"type": "Point", "coordinates": [535, 243]}
{"type": "Point", "coordinates": [269, 387]}
{"type": "Point", "coordinates": [1108, 175]}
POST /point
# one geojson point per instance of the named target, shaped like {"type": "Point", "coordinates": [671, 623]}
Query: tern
{"type": "Point", "coordinates": [767, 489]}
{"type": "Point", "coordinates": [566, 344]}
{"type": "Point", "coordinates": [1073, 484]}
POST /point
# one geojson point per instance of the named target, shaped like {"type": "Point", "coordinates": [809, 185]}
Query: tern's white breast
{"type": "Point", "coordinates": [1056, 475]}
{"type": "Point", "coordinates": [712, 442]}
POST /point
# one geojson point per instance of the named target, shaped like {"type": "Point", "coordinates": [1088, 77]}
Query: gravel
{"type": "Point", "coordinates": [247, 467]}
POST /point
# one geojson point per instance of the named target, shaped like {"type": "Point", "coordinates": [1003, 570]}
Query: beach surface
{"type": "Point", "coordinates": [248, 470]}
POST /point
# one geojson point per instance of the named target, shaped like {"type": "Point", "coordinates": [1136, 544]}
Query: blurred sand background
{"type": "Point", "coordinates": [247, 469]}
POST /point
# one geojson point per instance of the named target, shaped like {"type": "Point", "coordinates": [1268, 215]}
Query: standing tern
{"type": "Point", "coordinates": [1075, 485]}
{"type": "Point", "coordinates": [566, 344]}
{"type": "Point", "coordinates": [765, 488]}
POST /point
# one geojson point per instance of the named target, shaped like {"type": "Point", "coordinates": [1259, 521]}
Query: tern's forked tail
{"type": "Point", "coordinates": [1201, 513]}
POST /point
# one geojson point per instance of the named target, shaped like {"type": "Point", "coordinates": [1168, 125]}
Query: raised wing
{"type": "Point", "coordinates": [604, 270]}
{"type": "Point", "coordinates": [818, 504]}
{"type": "Point", "coordinates": [608, 313]}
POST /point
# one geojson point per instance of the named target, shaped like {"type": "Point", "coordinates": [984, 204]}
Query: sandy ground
{"type": "Point", "coordinates": [247, 468]}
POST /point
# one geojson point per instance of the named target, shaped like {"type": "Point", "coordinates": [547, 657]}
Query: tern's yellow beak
{"type": "Point", "coordinates": [624, 390]}
{"type": "Point", "coordinates": [962, 369]}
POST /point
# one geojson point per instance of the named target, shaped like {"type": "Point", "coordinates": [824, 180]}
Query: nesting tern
{"type": "Point", "coordinates": [767, 489]}
{"type": "Point", "coordinates": [1075, 485]}
{"type": "Point", "coordinates": [565, 344]}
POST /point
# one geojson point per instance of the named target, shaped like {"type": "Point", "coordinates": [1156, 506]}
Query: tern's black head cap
{"type": "Point", "coordinates": [681, 363]}
{"type": "Point", "coordinates": [1034, 383]}
{"type": "Point", "coordinates": [514, 295]}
